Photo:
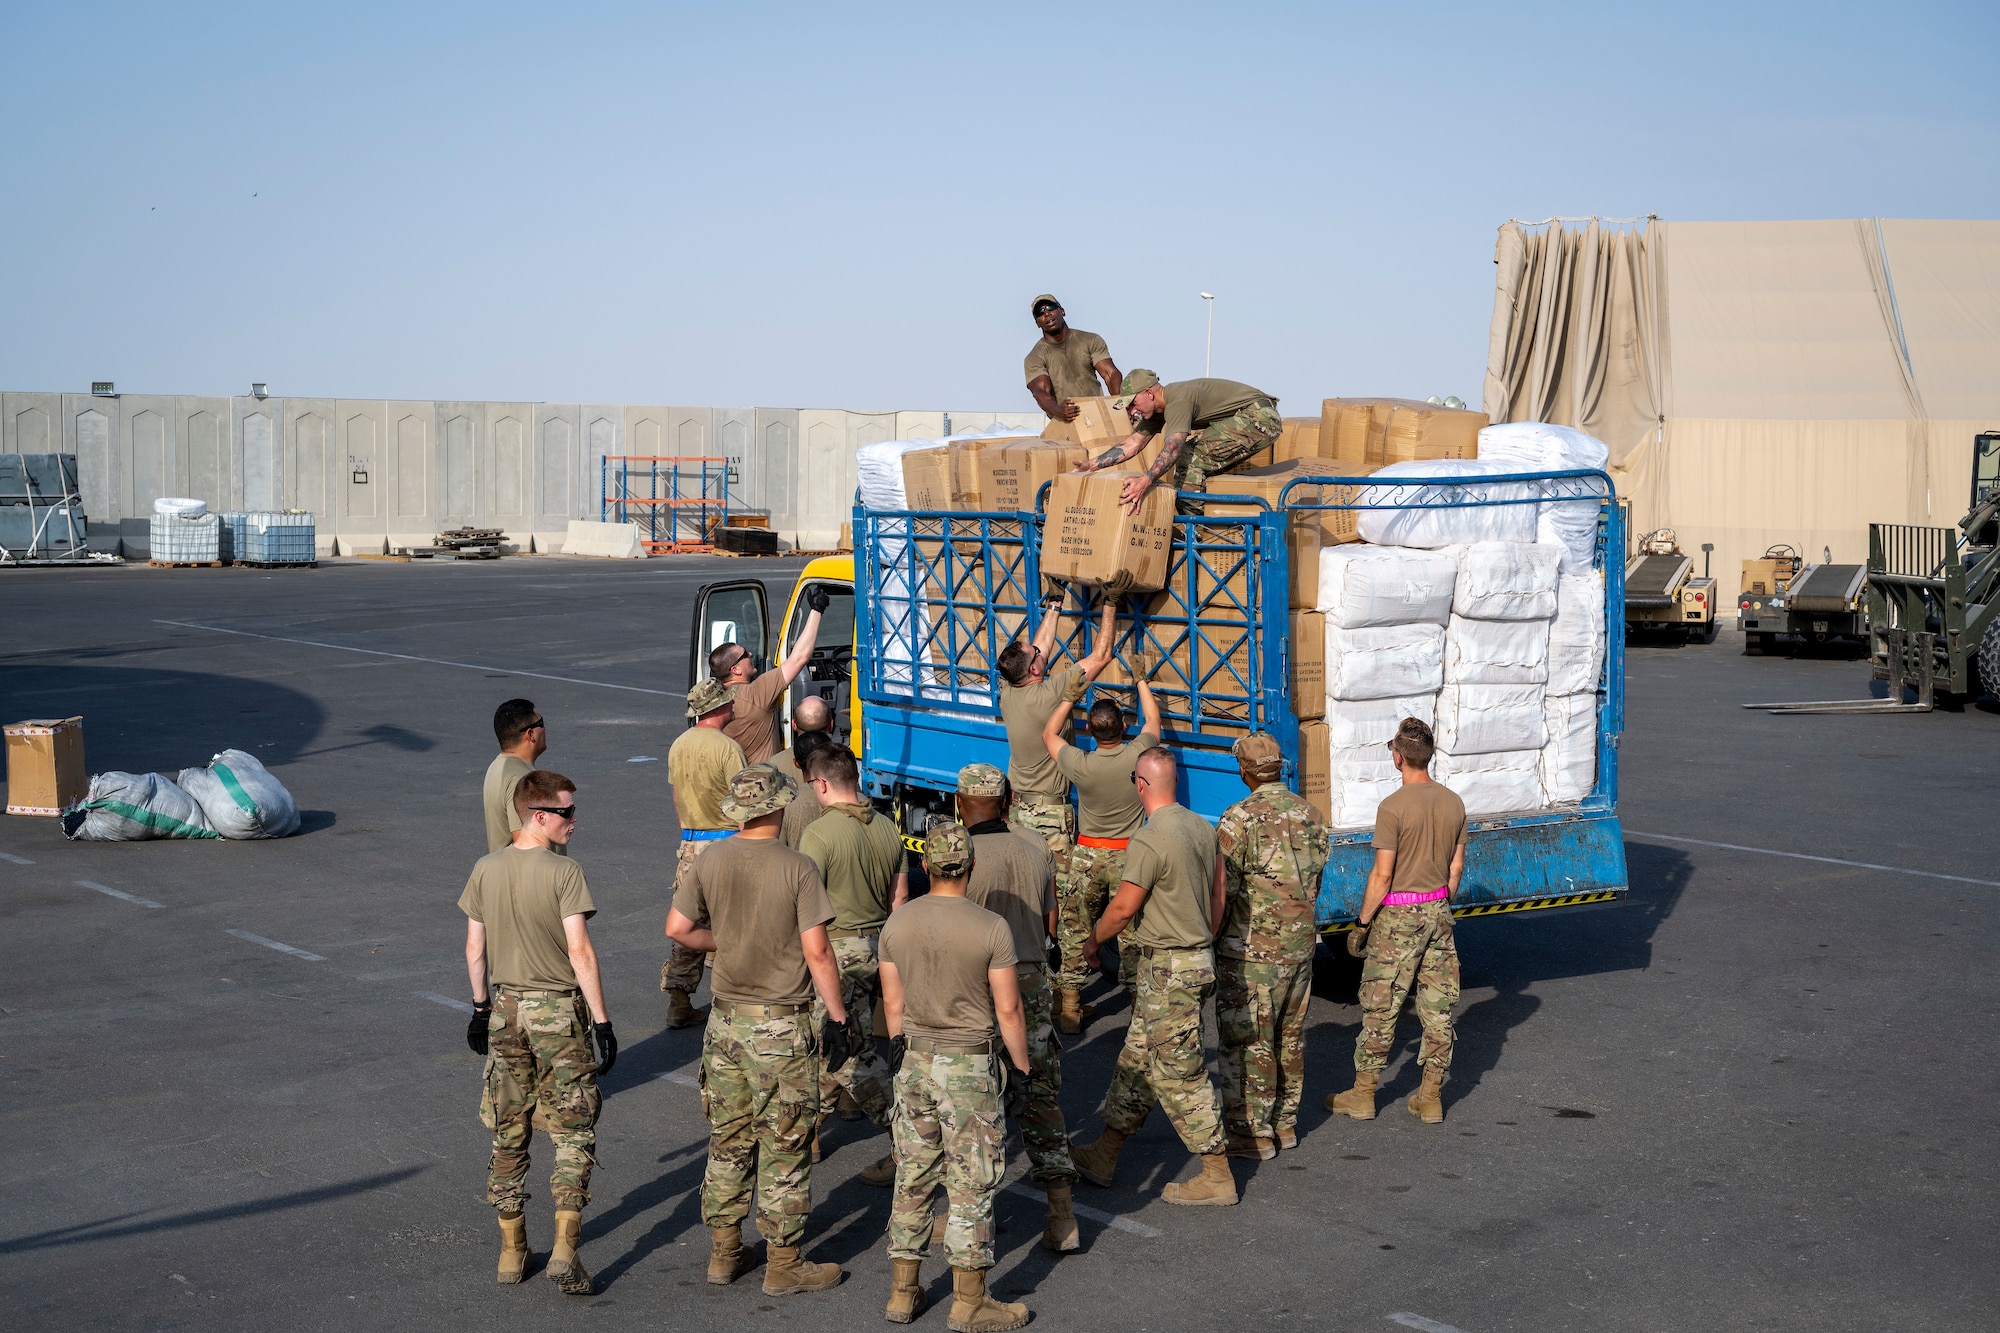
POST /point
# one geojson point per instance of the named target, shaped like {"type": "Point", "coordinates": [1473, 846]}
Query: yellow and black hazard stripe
{"type": "Point", "coordinates": [1521, 905]}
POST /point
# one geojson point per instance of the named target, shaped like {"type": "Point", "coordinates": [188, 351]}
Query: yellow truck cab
{"type": "Point", "coordinates": [736, 612]}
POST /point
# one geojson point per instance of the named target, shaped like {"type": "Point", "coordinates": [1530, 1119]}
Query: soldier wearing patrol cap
{"type": "Point", "coordinates": [1066, 363]}
{"type": "Point", "coordinates": [699, 766]}
{"type": "Point", "coordinates": [948, 981]}
{"type": "Point", "coordinates": [1274, 846]}
{"type": "Point", "coordinates": [1211, 427]}
{"type": "Point", "coordinates": [761, 1060]}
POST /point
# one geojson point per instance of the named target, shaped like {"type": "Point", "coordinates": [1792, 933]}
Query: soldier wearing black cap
{"type": "Point", "coordinates": [1067, 363]}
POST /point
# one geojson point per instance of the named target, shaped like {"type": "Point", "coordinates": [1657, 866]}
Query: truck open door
{"type": "Point", "coordinates": [829, 673]}
{"type": "Point", "coordinates": [731, 612]}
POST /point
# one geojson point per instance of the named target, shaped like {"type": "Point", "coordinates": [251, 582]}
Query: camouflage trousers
{"type": "Point", "coordinates": [539, 1057]}
{"type": "Point", "coordinates": [760, 1092]}
{"type": "Point", "coordinates": [1093, 879]}
{"type": "Point", "coordinates": [1224, 446]}
{"type": "Point", "coordinates": [682, 970]}
{"type": "Point", "coordinates": [866, 1073]}
{"type": "Point", "coordinates": [1260, 1023]}
{"type": "Point", "coordinates": [1043, 1132]}
{"type": "Point", "coordinates": [1409, 949]}
{"type": "Point", "coordinates": [1162, 1059]}
{"type": "Point", "coordinates": [949, 1132]}
{"type": "Point", "coordinates": [1055, 821]}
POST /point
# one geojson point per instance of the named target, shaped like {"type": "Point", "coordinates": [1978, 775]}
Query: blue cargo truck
{"type": "Point", "coordinates": [929, 598]}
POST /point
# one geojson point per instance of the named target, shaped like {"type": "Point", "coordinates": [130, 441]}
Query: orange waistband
{"type": "Point", "coordinates": [1115, 844]}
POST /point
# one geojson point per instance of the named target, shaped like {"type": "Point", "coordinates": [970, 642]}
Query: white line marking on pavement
{"type": "Point", "coordinates": [1828, 860]}
{"type": "Point", "coordinates": [118, 893]}
{"type": "Point", "coordinates": [644, 759]}
{"type": "Point", "coordinates": [1112, 1220]}
{"type": "Point", "coordinates": [681, 1077]}
{"type": "Point", "coordinates": [435, 998]}
{"type": "Point", "coordinates": [1417, 1321]}
{"type": "Point", "coordinates": [272, 944]}
{"type": "Point", "coordinates": [17, 860]}
{"type": "Point", "coordinates": [412, 657]}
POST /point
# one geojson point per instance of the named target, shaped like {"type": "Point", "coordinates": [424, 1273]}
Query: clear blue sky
{"type": "Point", "coordinates": [851, 206]}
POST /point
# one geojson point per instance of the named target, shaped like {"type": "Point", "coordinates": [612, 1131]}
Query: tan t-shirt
{"type": "Point", "coordinates": [943, 948]}
{"type": "Point", "coordinates": [1173, 858]}
{"type": "Point", "coordinates": [858, 853]}
{"type": "Point", "coordinates": [521, 895]}
{"type": "Point", "coordinates": [1071, 364]}
{"type": "Point", "coordinates": [699, 766]}
{"type": "Point", "coordinates": [1014, 877]}
{"type": "Point", "coordinates": [1024, 710]}
{"type": "Point", "coordinates": [755, 725]}
{"type": "Point", "coordinates": [502, 776]}
{"type": "Point", "coordinates": [1422, 823]}
{"type": "Point", "coordinates": [758, 896]}
{"type": "Point", "coordinates": [1192, 404]}
{"type": "Point", "coordinates": [1107, 801]}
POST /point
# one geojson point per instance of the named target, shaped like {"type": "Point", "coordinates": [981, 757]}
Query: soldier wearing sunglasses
{"type": "Point", "coordinates": [523, 737]}
{"type": "Point", "coordinates": [759, 692]}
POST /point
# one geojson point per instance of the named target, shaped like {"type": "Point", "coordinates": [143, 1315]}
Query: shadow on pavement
{"type": "Point", "coordinates": [138, 720]}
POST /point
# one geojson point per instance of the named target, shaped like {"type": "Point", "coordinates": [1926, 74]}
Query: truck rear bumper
{"type": "Point", "coordinates": [1562, 858]}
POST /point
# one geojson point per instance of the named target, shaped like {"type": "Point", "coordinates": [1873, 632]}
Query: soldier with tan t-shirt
{"type": "Point", "coordinates": [759, 692]}
{"type": "Point", "coordinates": [1065, 363]}
{"type": "Point", "coordinates": [700, 765]}
{"type": "Point", "coordinates": [524, 738]}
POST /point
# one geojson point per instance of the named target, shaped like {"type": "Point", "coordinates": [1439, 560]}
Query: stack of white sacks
{"type": "Point", "coordinates": [1472, 625]}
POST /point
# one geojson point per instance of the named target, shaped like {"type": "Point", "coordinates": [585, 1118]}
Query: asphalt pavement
{"type": "Point", "coordinates": [1760, 1094]}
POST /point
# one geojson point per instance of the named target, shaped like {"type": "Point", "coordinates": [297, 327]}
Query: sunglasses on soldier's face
{"type": "Point", "coordinates": [559, 811]}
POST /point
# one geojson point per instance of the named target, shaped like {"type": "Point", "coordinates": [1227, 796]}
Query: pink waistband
{"type": "Point", "coordinates": [1410, 899]}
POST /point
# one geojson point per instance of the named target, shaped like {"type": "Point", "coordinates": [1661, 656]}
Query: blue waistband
{"type": "Point", "coordinates": [706, 834]}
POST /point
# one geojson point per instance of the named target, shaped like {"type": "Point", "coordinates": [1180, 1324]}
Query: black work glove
{"type": "Point", "coordinates": [1357, 940]}
{"type": "Point", "coordinates": [477, 1034]}
{"type": "Point", "coordinates": [607, 1046]}
{"type": "Point", "coordinates": [816, 598]}
{"type": "Point", "coordinates": [898, 1048]}
{"type": "Point", "coordinates": [1013, 1089]}
{"type": "Point", "coordinates": [833, 1044]}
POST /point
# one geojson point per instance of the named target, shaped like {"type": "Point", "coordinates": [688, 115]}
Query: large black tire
{"type": "Point", "coordinates": [1986, 664]}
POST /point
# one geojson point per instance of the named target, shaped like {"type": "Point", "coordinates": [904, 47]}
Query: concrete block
{"type": "Point", "coordinates": [557, 442]}
{"type": "Point", "coordinates": [603, 434]}
{"type": "Point", "coordinates": [257, 434]}
{"type": "Point", "coordinates": [825, 473]}
{"type": "Point", "coordinates": [204, 435]}
{"type": "Point", "coordinates": [690, 433]}
{"type": "Point", "coordinates": [509, 478]}
{"type": "Point", "coordinates": [359, 465]}
{"type": "Point", "coordinates": [410, 451]}
{"type": "Point", "coordinates": [967, 422]}
{"type": "Point", "coordinates": [547, 543]}
{"type": "Point", "coordinates": [648, 432]}
{"type": "Point", "coordinates": [735, 430]}
{"type": "Point", "coordinates": [31, 423]}
{"type": "Point", "coordinates": [919, 425]}
{"type": "Point", "coordinates": [312, 474]}
{"type": "Point", "coordinates": [612, 541]}
{"type": "Point", "coordinates": [772, 476]}
{"type": "Point", "coordinates": [351, 544]}
{"type": "Point", "coordinates": [463, 459]}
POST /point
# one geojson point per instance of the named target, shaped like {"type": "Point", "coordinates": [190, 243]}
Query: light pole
{"type": "Point", "coordinates": [1208, 354]}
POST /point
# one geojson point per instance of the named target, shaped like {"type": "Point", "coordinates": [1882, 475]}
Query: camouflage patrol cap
{"type": "Point", "coordinates": [948, 850]}
{"type": "Point", "coordinates": [708, 696]}
{"type": "Point", "coordinates": [1259, 753]}
{"type": "Point", "coordinates": [757, 790]}
{"type": "Point", "coordinates": [1035, 306]}
{"type": "Point", "coordinates": [1136, 383]}
{"type": "Point", "coordinates": [981, 780]}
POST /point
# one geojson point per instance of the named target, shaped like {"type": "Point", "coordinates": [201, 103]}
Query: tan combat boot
{"type": "Point", "coordinates": [1071, 1012]}
{"type": "Point", "coordinates": [906, 1291]}
{"type": "Point", "coordinates": [1425, 1103]}
{"type": "Point", "coordinates": [785, 1273]}
{"type": "Point", "coordinates": [727, 1260]}
{"type": "Point", "coordinates": [513, 1248]}
{"type": "Point", "coordinates": [973, 1311]}
{"type": "Point", "coordinates": [880, 1174]}
{"type": "Point", "coordinates": [681, 1012]}
{"type": "Point", "coordinates": [565, 1268]}
{"type": "Point", "coordinates": [1061, 1234]}
{"type": "Point", "coordinates": [1288, 1136]}
{"type": "Point", "coordinates": [1253, 1146]}
{"type": "Point", "coordinates": [1096, 1161]}
{"type": "Point", "coordinates": [843, 1102]}
{"type": "Point", "coordinates": [1359, 1100]}
{"type": "Point", "coordinates": [1215, 1187]}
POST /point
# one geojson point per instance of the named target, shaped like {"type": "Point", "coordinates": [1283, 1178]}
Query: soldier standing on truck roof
{"type": "Point", "coordinates": [761, 1059]}
{"type": "Point", "coordinates": [537, 1011]}
{"type": "Point", "coordinates": [1172, 896]}
{"type": "Point", "coordinates": [1405, 929]}
{"type": "Point", "coordinates": [1108, 814]}
{"type": "Point", "coordinates": [1066, 363]}
{"type": "Point", "coordinates": [1027, 693]}
{"type": "Point", "coordinates": [1211, 427]}
{"type": "Point", "coordinates": [699, 766]}
{"type": "Point", "coordinates": [524, 738]}
{"type": "Point", "coordinates": [1014, 877]}
{"type": "Point", "coordinates": [1274, 847]}
{"type": "Point", "coordinates": [859, 855]}
{"type": "Point", "coordinates": [758, 692]}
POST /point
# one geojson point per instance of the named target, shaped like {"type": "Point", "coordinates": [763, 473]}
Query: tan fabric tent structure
{"type": "Point", "coordinates": [1758, 382]}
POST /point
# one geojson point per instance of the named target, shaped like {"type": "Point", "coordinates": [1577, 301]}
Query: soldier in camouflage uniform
{"type": "Point", "coordinates": [699, 766]}
{"type": "Point", "coordinates": [948, 980]}
{"type": "Point", "coordinates": [761, 1060]}
{"type": "Point", "coordinates": [1274, 846]}
{"type": "Point", "coordinates": [1210, 427]}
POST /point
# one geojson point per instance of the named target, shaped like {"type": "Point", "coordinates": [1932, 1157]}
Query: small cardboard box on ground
{"type": "Point", "coordinates": [1396, 430]}
{"type": "Point", "coordinates": [1087, 536]}
{"type": "Point", "coordinates": [45, 773]}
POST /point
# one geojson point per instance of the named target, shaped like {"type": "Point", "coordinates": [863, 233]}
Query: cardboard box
{"type": "Point", "coordinates": [927, 478]}
{"type": "Point", "coordinates": [45, 773]}
{"type": "Point", "coordinates": [1089, 537]}
{"type": "Point", "coordinates": [1315, 764]}
{"type": "Point", "coordinates": [1308, 648]}
{"type": "Point", "coordinates": [1299, 439]}
{"type": "Point", "coordinates": [967, 464]}
{"type": "Point", "coordinates": [1424, 430]}
{"type": "Point", "coordinates": [1010, 476]}
{"type": "Point", "coordinates": [1098, 424]}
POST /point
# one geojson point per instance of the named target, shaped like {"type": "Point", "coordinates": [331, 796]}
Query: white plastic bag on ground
{"type": "Point", "coordinates": [1364, 724]}
{"type": "Point", "coordinates": [133, 807]}
{"type": "Point", "coordinates": [878, 469]}
{"type": "Point", "coordinates": [1537, 446]}
{"type": "Point", "coordinates": [1384, 521]}
{"type": "Point", "coordinates": [1576, 635]}
{"type": "Point", "coordinates": [1489, 719]}
{"type": "Point", "coordinates": [1384, 585]}
{"type": "Point", "coordinates": [1569, 759]}
{"type": "Point", "coordinates": [1360, 781]}
{"type": "Point", "coordinates": [1383, 661]}
{"type": "Point", "coordinates": [240, 798]}
{"type": "Point", "coordinates": [1496, 652]}
{"type": "Point", "coordinates": [1501, 783]}
{"type": "Point", "coordinates": [1506, 580]}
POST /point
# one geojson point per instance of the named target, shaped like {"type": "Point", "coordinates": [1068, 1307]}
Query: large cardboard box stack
{"type": "Point", "coordinates": [927, 478]}
{"type": "Point", "coordinates": [1396, 430]}
{"type": "Point", "coordinates": [1011, 475]}
{"type": "Point", "coordinates": [1089, 538]}
{"type": "Point", "coordinates": [45, 773]}
{"type": "Point", "coordinates": [1299, 439]}
{"type": "Point", "coordinates": [969, 468]}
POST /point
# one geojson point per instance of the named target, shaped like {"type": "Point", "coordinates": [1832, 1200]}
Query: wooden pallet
{"type": "Point", "coordinates": [185, 564]}
{"type": "Point", "coordinates": [277, 564]}
{"type": "Point", "coordinates": [446, 552]}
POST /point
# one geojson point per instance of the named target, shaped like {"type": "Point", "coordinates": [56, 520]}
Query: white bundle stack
{"type": "Point", "coordinates": [1496, 663]}
{"type": "Point", "coordinates": [1536, 446]}
{"type": "Point", "coordinates": [1488, 719]}
{"type": "Point", "coordinates": [1492, 784]}
{"type": "Point", "coordinates": [1467, 508]}
{"type": "Point", "coordinates": [1360, 586]}
{"type": "Point", "coordinates": [1383, 662]}
{"type": "Point", "coordinates": [1568, 765]}
{"type": "Point", "coordinates": [1362, 771]}
{"type": "Point", "coordinates": [1569, 709]}
{"type": "Point", "coordinates": [879, 470]}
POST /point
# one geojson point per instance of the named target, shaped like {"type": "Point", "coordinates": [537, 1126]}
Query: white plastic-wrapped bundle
{"type": "Point", "coordinates": [134, 807]}
{"type": "Point", "coordinates": [1536, 446]}
{"type": "Point", "coordinates": [180, 506]}
{"type": "Point", "coordinates": [1468, 512]}
{"type": "Point", "coordinates": [879, 470]}
{"type": "Point", "coordinates": [1576, 635]}
{"type": "Point", "coordinates": [1506, 580]}
{"type": "Point", "coordinates": [1569, 758]}
{"type": "Point", "coordinates": [1496, 652]}
{"type": "Point", "coordinates": [1496, 783]}
{"type": "Point", "coordinates": [1361, 586]}
{"type": "Point", "coordinates": [1489, 719]}
{"type": "Point", "coordinates": [1383, 661]}
{"type": "Point", "coordinates": [1365, 724]}
{"type": "Point", "coordinates": [240, 799]}
{"type": "Point", "coordinates": [1360, 781]}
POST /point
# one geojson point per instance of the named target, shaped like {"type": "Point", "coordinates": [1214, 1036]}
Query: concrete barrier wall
{"type": "Point", "coordinates": [378, 473]}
